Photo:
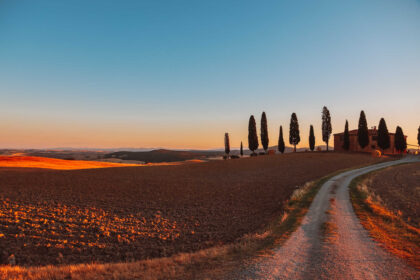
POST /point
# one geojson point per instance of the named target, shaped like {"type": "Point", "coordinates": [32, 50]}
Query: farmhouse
{"type": "Point", "coordinates": [373, 142]}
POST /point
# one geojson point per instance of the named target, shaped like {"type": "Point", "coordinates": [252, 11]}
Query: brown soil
{"type": "Point", "coordinates": [132, 213]}
{"type": "Point", "coordinates": [399, 189]}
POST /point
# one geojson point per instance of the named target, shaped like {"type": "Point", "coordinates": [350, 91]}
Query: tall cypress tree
{"type": "Point", "coordinates": [252, 135]}
{"type": "Point", "coordinates": [418, 136]}
{"type": "Point", "coordinates": [346, 144]}
{"type": "Point", "coordinates": [383, 135]}
{"type": "Point", "coordinates": [400, 144]}
{"type": "Point", "coordinates": [242, 149]}
{"type": "Point", "coordinates": [294, 137]}
{"type": "Point", "coordinates": [264, 132]}
{"type": "Point", "coordinates": [363, 132]}
{"type": "Point", "coordinates": [280, 146]}
{"type": "Point", "coordinates": [326, 125]}
{"type": "Point", "coordinates": [311, 138]}
{"type": "Point", "coordinates": [227, 144]}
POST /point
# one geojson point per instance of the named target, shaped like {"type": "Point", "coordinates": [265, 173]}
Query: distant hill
{"type": "Point", "coordinates": [137, 155]}
{"type": "Point", "coordinates": [163, 155]}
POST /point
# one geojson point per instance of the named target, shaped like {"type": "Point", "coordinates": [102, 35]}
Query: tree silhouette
{"type": "Point", "coordinates": [227, 144]}
{"type": "Point", "coordinates": [242, 149]}
{"type": "Point", "coordinates": [280, 146]}
{"type": "Point", "coordinates": [252, 135]}
{"type": "Point", "coordinates": [346, 144]}
{"type": "Point", "coordinates": [383, 135]}
{"type": "Point", "coordinates": [363, 132]}
{"type": "Point", "coordinates": [326, 125]}
{"type": "Point", "coordinates": [418, 136]}
{"type": "Point", "coordinates": [264, 132]}
{"type": "Point", "coordinates": [294, 137]}
{"type": "Point", "coordinates": [400, 144]}
{"type": "Point", "coordinates": [311, 138]}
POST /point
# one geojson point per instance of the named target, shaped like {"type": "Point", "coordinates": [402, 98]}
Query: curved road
{"type": "Point", "coordinates": [349, 253]}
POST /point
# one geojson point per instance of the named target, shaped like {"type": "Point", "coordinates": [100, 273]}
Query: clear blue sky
{"type": "Point", "coordinates": [179, 74]}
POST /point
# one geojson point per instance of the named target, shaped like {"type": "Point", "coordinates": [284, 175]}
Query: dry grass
{"type": "Point", "coordinates": [386, 227]}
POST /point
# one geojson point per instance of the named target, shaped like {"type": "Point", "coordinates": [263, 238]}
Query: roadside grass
{"type": "Point", "coordinates": [204, 264]}
{"type": "Point", "coordinates": [386, 227]}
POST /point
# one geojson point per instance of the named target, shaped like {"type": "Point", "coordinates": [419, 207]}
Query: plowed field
{"type": "Point", "coordinates": [399, 188]}
{"type": "Point", "coordinates": [131, 213]}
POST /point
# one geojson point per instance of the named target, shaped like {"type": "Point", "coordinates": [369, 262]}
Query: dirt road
{"type": "Point", "coordinates": [330, 243]}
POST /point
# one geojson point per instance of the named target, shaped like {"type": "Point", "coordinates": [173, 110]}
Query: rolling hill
{"type": "Point", "coordinates": [163, 155]}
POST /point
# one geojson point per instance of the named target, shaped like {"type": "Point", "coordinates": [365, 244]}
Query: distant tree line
{"type": "Point", "coordinates": [383, 137]}
{"type": "Point", "coordinates": [294, 133]}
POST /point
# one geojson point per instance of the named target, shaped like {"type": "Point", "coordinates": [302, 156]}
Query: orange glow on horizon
{"type": "Point", "coordinates": [52, 163]}
{"type": "Point", "coordinates": [62, 164]}
{"type": "Point", "coordinates": [41, 133]}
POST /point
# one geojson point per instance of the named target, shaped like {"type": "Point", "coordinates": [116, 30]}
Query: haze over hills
{"type": "Point", "coordinates": [163, 155]}
{"type": "Point", "coordinates": [136, 154]}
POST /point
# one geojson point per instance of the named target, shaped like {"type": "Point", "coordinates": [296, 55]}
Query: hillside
{"type": "Point", "coordinates": [163, 155]}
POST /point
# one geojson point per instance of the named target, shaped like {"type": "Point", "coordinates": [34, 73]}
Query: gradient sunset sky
{"type": "Point", "coordinates": [179, 74]}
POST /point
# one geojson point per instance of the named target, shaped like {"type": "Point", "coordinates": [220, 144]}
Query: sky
{"type": "Point", "coordinates": [179, 74]}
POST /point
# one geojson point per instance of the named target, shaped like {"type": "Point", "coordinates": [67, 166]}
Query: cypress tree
{"type": "Point", "coordinates": [280, 146]}
{"type": "Point", "coordinates": [252, 135]}
{"type": "Point", "coordinates": [418, 136]}
{"type": "Point", "coordinates": [363, 132]}
{"type": "Point", "coordinates": [311, 138]}
{"type": "Point", "coordinates": [346, 144]}
{"type": "Point", "coordinates": [383, 135]}
{"type": "Point", "coordinates": [400, 144]}
{"type": "Point", "coordinates": [264, 132]}
{"type": "Point", "coordinates": [326, 125]}
{"type": "Point", "coordinates": [227, 144]}
{"type": "Point", "coordinates": [294, 137]}
{"type": "Point", "coordinates": [242, 149]}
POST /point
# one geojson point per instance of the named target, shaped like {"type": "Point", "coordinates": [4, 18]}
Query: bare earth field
{"type": "Point", "coordinates": [133, 213]}
{"type": "Point", "coordinates": [399, 189]}
{"type": "Point", "coordinates": [387, 204]}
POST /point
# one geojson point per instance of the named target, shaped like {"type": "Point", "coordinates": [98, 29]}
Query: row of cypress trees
{"type": "Point", "coordinates": [383, 135]}
{"type": "Point", "coordinates": [294, 133]}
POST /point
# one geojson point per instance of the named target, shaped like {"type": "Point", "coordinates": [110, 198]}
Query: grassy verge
{"type": "Point", "coordinates": [386, 227]}
{"type": "Point", "coordinates": [209, 263]}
